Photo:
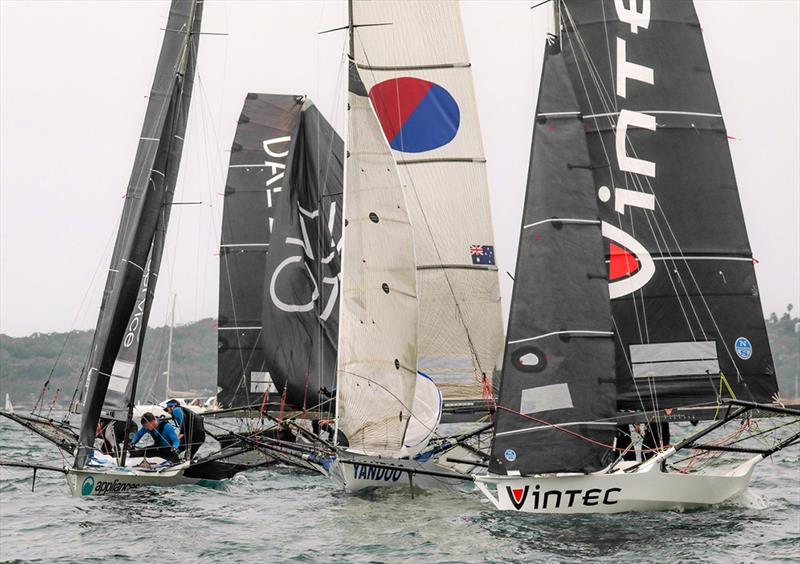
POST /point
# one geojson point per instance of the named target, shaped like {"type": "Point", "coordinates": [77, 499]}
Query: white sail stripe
{"type": "Point", "coordinates": [573, 332]}
{"type": "Point", "coordinates": [133, 263]}
{"type": "Point", "coordinates": [245, 245]}
{"type": "Point", "coordinates": [660, 112]}
{"type": "Point", "coordinates": [552, 114]}
{"type": "Point", "coordinates": [556, 426]}
{"type": "Point", "coordinates": [563, 220]}
{"type": "Point", "coordinates": [149, 139]}
{"type": "Point", "coordinates": [158, 172]}
{"type": "Point", "coordinates": [705, 257]}
{"type": "Point", "coordinates": [236, 328]}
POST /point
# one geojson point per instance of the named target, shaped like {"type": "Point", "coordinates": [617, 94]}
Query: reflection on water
{"type": "Point", "coordinates": [282, 514]}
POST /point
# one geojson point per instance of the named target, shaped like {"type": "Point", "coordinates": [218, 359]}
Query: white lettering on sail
{"type": "Point", "coordinates": [275, 175]}
{"type": "Point", "coordinates": [632, 16]}
{"type": "Point", "coordinates": [627, 163]}
{"type": "Point", "coordinates": [627, 69]}
{"type": "Point", "coordinates": [132, 332]}
{"type": "Point", "coordinates": [646, 265]}
{"type": "Point", "coordinates": [633, 198]}
{"type": "Point", "coordinates": [275, 155]}
{"type": "Point", "coordinates": [305, 243]}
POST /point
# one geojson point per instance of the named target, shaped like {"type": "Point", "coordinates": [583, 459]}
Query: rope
{"type": "Point", "coordinates": [611, 447]}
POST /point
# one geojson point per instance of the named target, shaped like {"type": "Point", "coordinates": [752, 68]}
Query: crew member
{"type": "Point", "coordinates": [192, 432]}
{"type": "Point", "coordinates": [165, 439]}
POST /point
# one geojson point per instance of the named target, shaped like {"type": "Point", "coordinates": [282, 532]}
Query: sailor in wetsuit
{"type": "Point", "coordinates": [192, 432]}
{"type": "Point", "coordinates": [165, 439]}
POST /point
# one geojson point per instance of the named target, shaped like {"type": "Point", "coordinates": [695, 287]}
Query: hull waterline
{"type": "Point", "coordinates": [648, 488]}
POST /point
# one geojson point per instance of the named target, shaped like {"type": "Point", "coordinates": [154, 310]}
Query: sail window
{"type": "Point", "coordinates": [545, 398]}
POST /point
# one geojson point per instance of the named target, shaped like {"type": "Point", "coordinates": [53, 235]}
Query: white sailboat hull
{"type": "Point", "coordinates": [92, 481]}
{"type": "Point", "coordinates": [354, 473]}
{"type": "Point", "coordinates": [646, 489]}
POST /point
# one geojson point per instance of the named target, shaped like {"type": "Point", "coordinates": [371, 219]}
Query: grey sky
{"type": "Point", "coordinates": [74, 76]}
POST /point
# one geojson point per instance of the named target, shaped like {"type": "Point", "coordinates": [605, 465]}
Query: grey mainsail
{"type": "Point", "coordinates": [558, 366]}
{"type": "Point", "coordinates": [300, 311]}
{"type": "Point", "coordinates": [255, 186]}
{"type": "Point", "coordinates": [113, 364]}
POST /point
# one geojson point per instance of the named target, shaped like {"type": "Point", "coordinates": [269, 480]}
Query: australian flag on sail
{"type": "Point", "coordinates": [482, 254]}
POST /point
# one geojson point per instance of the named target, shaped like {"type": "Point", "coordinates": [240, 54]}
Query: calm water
{"type": "Point", "coordinates": [283, 515]}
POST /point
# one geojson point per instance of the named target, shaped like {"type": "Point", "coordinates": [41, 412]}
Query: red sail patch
{"type": "Point", "coordinates": [395, 100]}
{"type": "Point", "coordinates": [621, 262]}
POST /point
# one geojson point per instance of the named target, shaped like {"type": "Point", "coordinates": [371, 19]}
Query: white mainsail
{"type": "Point", "coordinates": [417, 71]}
{"type": "Point", "coordinates": [377, 349]}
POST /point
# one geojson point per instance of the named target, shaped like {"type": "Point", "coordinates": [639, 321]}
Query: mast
{"type": "Point", "coordinates": [168, 371]}
{"type": "Point", "coordinates": [112, 370]}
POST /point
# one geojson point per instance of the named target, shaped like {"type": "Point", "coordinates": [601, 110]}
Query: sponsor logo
{"type": "Point", "coordinates": [510, 454]}
{"type": "Point", "coordinates": [361, 472]}
{"type": "Point", "coordinates": [744, 349]}
{"type": "Point", "coordinates": [518, 496]}
{"type": "Point", "coordinates": [630, 265]}
{"type": "Point", "coordinates": [556, 499]}
{"type": "Point", "coordinates": [88, 486]}
{"type": "Point", "coordinates": [103, 487]}
{"type": "Point", "coordinates": [135, 323]}
{"type": "Point", "coordinates": [416, 115]}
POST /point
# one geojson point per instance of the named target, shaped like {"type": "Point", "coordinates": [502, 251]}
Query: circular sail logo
{"type": "Point", "coordinates": [529, 359]}
{"type": "Point", "coordinates": [416, 115]}
{"type": "Point", "coordinates": [744, 349]}
{"type": "Point", "coordinates": [510, 454]}
{"type": "Point", "coordinates": [88, 486]}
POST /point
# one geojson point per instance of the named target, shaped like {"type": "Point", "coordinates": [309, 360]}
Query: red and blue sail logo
{"type": "Point", "coordinates": [416, 115]}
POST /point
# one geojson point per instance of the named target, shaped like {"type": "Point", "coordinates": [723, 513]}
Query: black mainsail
{"type": "Point", "coordinates": [255, 185]}
{"type": "Point", "coordinates": [113, 364]}
{"type": "Point", "coordinates": [629, 166]}
{"type": "Point", "coordinates": [300, 311]}
{"type": "Point", "coordinates": [685, 301]}
{"type": "Point", "coordinates": [559, 360]}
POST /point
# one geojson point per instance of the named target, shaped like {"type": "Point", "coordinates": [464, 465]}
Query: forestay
{"type": "Point", "coordinates": [417, 72]}
{"type": "Point", "coordinates": [685, 300]}
{"type": "Point", "coordinates": [377, 347]}
{"type": "Point", "coordinates": [113, 362]}
{"type": "Point", "coordinates": [558, 387]}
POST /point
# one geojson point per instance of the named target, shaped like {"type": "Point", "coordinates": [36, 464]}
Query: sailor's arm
{"type": "Point", "coordinates": [138, 435]}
